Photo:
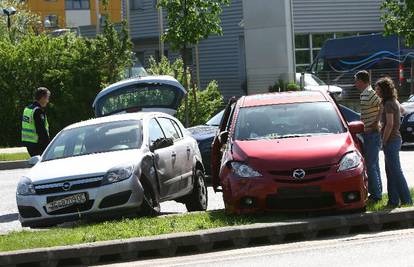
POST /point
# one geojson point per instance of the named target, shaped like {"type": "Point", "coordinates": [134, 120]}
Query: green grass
{"type": "Point", "coordinates": [140, 227]}
{"type": "Point", "coordinates": [14, 156]}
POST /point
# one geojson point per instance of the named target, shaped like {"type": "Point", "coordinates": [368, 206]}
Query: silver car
{"type": "Point", "coordinates": [121, 163]}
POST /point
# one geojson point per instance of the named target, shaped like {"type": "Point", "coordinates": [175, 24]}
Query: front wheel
{"type": "Point", "coordinates": [197, 200]}
{"type": "Point", "coordinates": [150, 206]}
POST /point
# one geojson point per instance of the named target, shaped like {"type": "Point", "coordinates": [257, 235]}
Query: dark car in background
{"type": "Point", "coordinates": [204, 134]}
{"type": "Point", "coordinates": [407, 123]}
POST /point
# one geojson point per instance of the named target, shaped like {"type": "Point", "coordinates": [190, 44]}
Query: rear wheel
{"type": "Point", "coordinates": [197, 200]}
{"type": "Point", "coordinates": [150, 205]}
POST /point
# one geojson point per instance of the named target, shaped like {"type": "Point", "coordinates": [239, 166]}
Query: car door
{"type": "Point", "coordinates": [165, 161]}
{"type": "Point", "coordinates": [219, 141]}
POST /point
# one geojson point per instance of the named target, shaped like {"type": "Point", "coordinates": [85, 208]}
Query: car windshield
{"type": "Point", "coordinates": [288, 121]}
{"type": "Point", "coordinates": [313, 80]}
{"type": "Point", "coordinates": [215, 121]}
{"type": "Point", "coordinates": [98, 138]}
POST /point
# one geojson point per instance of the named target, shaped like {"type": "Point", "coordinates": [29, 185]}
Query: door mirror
{"type": "Point", "coordinates": [161, 143]}
{"type": "Point", "coordinates": [356, 127]}
{"type": "Point", "coordinates": [223, 137]}
{"type": "Point", "coordinates": [34, 160]}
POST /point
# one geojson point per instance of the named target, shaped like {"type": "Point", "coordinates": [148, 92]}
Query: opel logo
{"type": "Point", "coordinates": [299, 174]}
{"type": "Point", "coordinates": [66, 186]}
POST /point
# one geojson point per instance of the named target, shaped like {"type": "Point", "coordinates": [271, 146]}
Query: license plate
{"type": "Point", "coordinates": [299, 191]}
{"type": "Point", "coordinates": [66, 202]}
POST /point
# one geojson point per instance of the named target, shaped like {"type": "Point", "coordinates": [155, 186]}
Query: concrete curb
{"type": "Point", "coordinates": [12, 165]}
{"type": "Point", "coordinates": [212, 239]}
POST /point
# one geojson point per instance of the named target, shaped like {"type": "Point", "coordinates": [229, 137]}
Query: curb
{"type": "Point", "coordinates": [12, 165]}
{"type": "Point", "coordinates": [207, 240]}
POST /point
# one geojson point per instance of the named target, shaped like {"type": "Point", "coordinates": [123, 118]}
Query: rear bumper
{"type": "Point", "coordinates": [265, 194]}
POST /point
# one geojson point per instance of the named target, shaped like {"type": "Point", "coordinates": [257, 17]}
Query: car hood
{"type": "Point", "coordinates": [293, 153]}
{"type": "Point", "coordinates": [325, 88]}
{"type": "Point", "coordinates": [202, 132]}
{"type": "Point", "coordinates": [82, 166]}
{"type": "Point", "coordinates": [408, 106]}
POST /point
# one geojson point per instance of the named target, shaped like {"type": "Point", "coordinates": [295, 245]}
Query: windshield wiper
{"type": "Point", "coordinates": [292, 136]}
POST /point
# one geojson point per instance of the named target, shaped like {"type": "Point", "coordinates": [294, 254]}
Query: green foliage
{"type": "Point", "coordinates": [23, 22]}
{"type": "Point", "coordinates": [190, 21]}
{"type": "Point", "coordinates": [282, 86]}
{"type": "Point", "coordinates": [399, 19]}
{"type": "Point", "coordinates": [203, 105]}
{"type": "Point", "coordinates": [74, 69]}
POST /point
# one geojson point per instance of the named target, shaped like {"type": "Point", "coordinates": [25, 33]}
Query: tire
{"type": "Point", "coordinates": [197, 200]}
{"type": "Point", "coordinates": [150, 205]}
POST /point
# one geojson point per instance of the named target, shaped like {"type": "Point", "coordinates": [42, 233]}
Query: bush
{"type": "Point", "coordinates": [202, 104]}
{"type": "Point", "coordinates": [74, 69]}
{"type": "Point", "coordinates": [282, 86]}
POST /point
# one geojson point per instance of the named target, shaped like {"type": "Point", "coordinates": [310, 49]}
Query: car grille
{"type": "Point", "coordinates": [309, 171]}
{"type": "Point", "coordinates": [78, 184]}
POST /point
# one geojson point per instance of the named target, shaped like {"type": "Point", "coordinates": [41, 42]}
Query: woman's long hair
{"type": "Point", "coordinates": [387, 89]}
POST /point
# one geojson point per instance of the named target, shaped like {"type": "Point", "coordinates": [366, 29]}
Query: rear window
{"type": "Point", "coordinates": [138, 96]}
{"type": "Point", "coordinates": [287, 121]}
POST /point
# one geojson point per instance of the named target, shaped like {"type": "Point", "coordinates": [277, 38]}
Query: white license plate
{"type": "Point", "coordinates": [66, 202]}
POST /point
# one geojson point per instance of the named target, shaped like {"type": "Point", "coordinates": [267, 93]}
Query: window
{"type": "Point", "coordinates": [177, 128]}
{"type": "Point", "coordinates": [76, 4]}
{"type": "Point", "coordinates": [169, 130]}
{"type": "Point", "coordinates": [155, 132]}
{"type": "Point", "coordinates": [51, 21]}
{"type": "Point", "coordinates": [302, 41]}
{"type": "Point", "coordinates": [319, 39]}
{"type": "Point", "coordinates": [136, 4]}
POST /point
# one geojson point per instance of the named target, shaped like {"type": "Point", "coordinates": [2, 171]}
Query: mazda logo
{"type": "Point", "coordinates": [66, 186]}
{"type": "Point", "coordinates": [298, 174]}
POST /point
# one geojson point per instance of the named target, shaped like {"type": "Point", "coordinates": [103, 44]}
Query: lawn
{"type": "Point", "coordinates": [14, 156]}
{"type": "Point", "coordinates": [140, 227]}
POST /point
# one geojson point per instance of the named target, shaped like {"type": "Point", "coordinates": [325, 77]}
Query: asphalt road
{"type": "Point", "coordinates": [394, 248]}
{"type": "Point", "coordinates": [9, 179]}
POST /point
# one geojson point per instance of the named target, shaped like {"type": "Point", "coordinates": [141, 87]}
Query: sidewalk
{"type": "Point", "coordinates": [13, 150]}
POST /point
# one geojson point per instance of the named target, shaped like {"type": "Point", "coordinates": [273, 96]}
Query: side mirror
{"type": "Point", "coordinates": [223, 137]}
{"type": "Point", "coordinates": [356, 127]}
{"type": "Point", "coordinates": [34, 160]}
{"type": "Point", "coordinates": [161, 143]}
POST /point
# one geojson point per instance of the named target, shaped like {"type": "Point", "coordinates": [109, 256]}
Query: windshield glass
{"type": "Point", "coordinates": [287, 120]}
{"type": "Point", "coordinates": [313, 80]}
{"type": "Point", "coordinates": [138, 95]}
{"type": "Point", "coordinates": [98, 138]}
{"type": "Point", "coordinates": [215, 121]}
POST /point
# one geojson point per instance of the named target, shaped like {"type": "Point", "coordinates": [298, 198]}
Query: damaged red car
{"type": "Point", "coordinates": [290, 151]}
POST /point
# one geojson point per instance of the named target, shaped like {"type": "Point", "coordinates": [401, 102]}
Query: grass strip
{"type": "Point", "coordinates": [14, 156]}
{"type": "Point", "coordinates": [141, 227]}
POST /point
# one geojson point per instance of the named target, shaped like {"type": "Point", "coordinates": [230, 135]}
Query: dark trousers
{"type": "Point", "coordinates": [34, 149]}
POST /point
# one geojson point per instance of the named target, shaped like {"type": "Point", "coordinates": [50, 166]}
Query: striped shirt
{"type": "Point", "coordinates": [370, 109]}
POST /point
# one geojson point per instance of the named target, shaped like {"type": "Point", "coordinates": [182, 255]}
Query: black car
{"type": "Point", "coordinates": [204, 134]}
{"type": "Point", "coordinates": [407, 122]}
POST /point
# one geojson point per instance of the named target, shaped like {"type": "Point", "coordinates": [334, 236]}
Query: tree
{"type": "Point", "coordinates": [23, 22]}
{"type": "Point", "coordinates": [399, 19]}
{"type": "Point", "coordinates": [189, 22]}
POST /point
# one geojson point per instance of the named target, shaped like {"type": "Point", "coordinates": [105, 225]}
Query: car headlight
{"type": "Point", "coordinates": [25, 187]}
{"type": "Point", "coordinates": [410, 118]}
{"type": "Point", "coordinates": [118, 174]}
{"type": "Point", "coordinates": [350, 161]}
{"type": "Point", "coordinates": [242, 170]}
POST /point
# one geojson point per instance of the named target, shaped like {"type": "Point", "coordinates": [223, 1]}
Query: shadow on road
{"type": "Point", "coordinates": [9, 217]}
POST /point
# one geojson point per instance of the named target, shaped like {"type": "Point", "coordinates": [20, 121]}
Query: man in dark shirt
{"type": "Point", "coordinates": [35, 127]}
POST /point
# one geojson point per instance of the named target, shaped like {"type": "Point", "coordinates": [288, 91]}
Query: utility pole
{"type": "Point", "coordinates": [127, 13]}
{"type": "Point", "coordinates": [97, 16]}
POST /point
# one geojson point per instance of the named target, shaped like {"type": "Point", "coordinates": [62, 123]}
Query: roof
{"type": "Point", "coordinates": [165, 79]}
{"type": "Point", "coordinates": [114, 118]}
{"type": "Point", "coordinates": [283, 98]}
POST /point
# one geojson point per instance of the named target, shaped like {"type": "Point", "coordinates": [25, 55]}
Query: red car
{"type": "Point", "coordinates": [290, 151]}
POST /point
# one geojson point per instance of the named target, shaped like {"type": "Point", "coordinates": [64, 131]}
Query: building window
{"type": "Point", "coordinates": [76, 4]}
{"type": "Point", "coordinates": [136, 4]}
{"type": "Point", "coordinates": [51, 21]}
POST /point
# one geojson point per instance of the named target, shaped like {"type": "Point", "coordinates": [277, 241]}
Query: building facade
{"type": "Point", "coordinates": [73, 13]}
{"type": "Point", "coordinates": [262, 41]}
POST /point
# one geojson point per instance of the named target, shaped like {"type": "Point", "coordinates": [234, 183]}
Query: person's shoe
{"type": "Point", "coordinates": [391, 206]}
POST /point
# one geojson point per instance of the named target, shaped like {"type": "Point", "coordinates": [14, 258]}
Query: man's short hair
{"type": "Point", "coordinates": [363, 76]}
{"type": "Point", "coordinates": [41, 92]}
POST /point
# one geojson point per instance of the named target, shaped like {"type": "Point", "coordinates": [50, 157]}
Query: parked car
{"type": "Point", "coordinates": [312, 83]}
{"type": "Point", "coordinates": [288, 152]}
{"type": "Point", "coordinates": [204, 134]}
{"type": "Point", "coordinates": [149, 93]}
{"type": "Point", "coordinates": [116, 164]}
{"type": "Point", "coordinates": [407, 122]}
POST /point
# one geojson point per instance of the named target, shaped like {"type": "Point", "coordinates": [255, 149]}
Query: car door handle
{"type": "Point", "coordinates": [173, 155]}
{"type": "Point", "coordinates": [188, 149]}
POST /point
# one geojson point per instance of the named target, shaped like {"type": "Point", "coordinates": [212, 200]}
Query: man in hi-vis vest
{"type": "Point", "coordinates": [35, 127]}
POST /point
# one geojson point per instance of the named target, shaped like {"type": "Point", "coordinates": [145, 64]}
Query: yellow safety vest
{"type": "Point", "coordinates": [29, 133]}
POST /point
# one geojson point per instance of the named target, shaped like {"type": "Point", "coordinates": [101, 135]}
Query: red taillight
{"type": "Point", "coordinates": [401, 72]}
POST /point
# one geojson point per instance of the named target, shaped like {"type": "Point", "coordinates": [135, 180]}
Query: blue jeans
{"type": "Point", "coordinates": [372, 145]}
{"type": "Point", "coordinates": [397, 185]}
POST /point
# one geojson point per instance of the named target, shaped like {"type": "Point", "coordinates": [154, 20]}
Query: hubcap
{"type": "Point", "coordinates": [203, 193]}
